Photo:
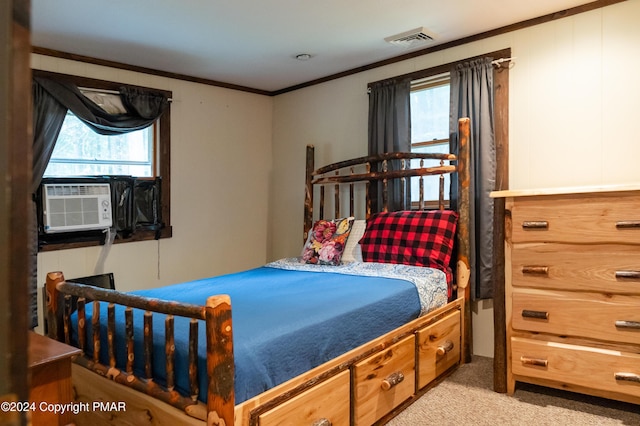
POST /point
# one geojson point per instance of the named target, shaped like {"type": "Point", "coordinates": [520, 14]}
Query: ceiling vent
{"type": "Point", "coordinates": [411, 38]}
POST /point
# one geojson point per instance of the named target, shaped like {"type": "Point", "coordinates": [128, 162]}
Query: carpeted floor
{"type": "Point", "coordinates": [467, 398]}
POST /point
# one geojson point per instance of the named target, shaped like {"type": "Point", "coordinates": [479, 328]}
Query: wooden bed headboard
{"type": "Point", "coordinates": [369, 170]}
{"type": "Point", "coordinates": [348, 180]}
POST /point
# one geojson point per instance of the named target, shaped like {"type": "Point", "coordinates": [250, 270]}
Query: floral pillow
{"type": "Point", "coordinates": [326, 241]}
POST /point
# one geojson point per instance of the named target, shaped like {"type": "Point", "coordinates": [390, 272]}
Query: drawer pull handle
{"type": "Point", "coordinates": [538, 362]}
{"type": "Point", "coordinates": [628, 274]}
{"type": "Point", "coordinates": [445, 348]}
{"type": "Point", "coordinates": [535, 270]}
{"type": "Point", "coordinates": [392, 380]}
{"type": "Point", "coordinates": [322, 422]}
{"type": "Point", "coordinates": [535, 224]}
{"type": "Point", "coordinates": [535, 314]}
{"type": "Point", "coordinates": [627, 224]}
{"type": "Point", "coordinates": [627, 377]}
{"type": "Point", "coordinates": [634, 325]}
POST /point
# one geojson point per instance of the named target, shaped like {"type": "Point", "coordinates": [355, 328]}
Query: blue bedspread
{"type": "Point", "coordinates": [286, 321]}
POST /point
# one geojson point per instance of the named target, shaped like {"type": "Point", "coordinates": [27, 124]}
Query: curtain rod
{"type": "Point", "coordinates": [498, 62]}
{"type": "Point", "coordinates": [107, 91]}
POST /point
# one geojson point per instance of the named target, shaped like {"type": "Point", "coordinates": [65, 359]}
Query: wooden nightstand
{"type": "Point", "coordinates": [50, 369]}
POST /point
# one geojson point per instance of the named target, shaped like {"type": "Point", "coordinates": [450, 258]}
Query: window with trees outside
{"type": "Point", "coordinates": [430, 129]}
{"type": "Point", "coordinates": [143, 155]}
{"type": "Point", "coordinates": [79, 151]}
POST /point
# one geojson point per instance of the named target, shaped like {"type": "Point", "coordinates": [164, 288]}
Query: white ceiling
{"type": "Point", "coordinates": [252, 43]}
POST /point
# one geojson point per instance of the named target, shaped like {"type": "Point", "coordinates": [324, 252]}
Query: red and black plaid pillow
{"type": "Point", "coordinates": [419, 238]}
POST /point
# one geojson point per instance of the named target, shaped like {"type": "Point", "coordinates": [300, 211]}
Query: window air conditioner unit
{"type": "Point", "coordinates": [72, 207]}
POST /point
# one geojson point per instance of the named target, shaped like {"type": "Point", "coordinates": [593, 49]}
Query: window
{"type": "Point", "coordinates": [145, 155]}
{"type": "Point", "coordinates": [80, 151]}
{"type": "Point", "coordinates": [430, 129]}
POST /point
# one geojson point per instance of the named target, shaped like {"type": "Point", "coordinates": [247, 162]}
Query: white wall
{"type": "Point", "coordinates": [220, 171]}
{"type": "Point", "coordinates": [573, 96]}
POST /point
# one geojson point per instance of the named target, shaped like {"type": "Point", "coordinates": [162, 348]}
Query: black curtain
{"type": "Point", "coordinates": [143, 107]}
{"type": "Point", "coordinates": [472, 96]}
{"type": "Point", "coordinates": [51, 101]}
{"type": "Point", "coordinates": [48, 115]}
{"type": "Point", "coordinates": [390, 131]}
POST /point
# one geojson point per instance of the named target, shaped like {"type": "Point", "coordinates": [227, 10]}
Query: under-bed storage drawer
{"type": "Point", "coordinates": [384, 380]}
{"type": "Point", "coordinates": [593, 315]}
{"type": "Point", "coordinates": [328, 401]}
{"type": "Point", "coordinates": [601, 369]}
{"type": "Point", "coordinates": [438, 348]}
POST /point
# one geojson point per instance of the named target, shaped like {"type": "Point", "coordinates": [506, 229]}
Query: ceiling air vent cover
{"type": "Point", "coordinates": [411, 38]}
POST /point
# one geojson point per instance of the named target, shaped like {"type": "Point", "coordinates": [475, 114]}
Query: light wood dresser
{"type": "Point", "coordinates": [572, 290]}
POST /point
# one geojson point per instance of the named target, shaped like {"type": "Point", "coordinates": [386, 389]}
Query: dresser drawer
{"type": "Point", "coordinates": [592, 315]}
{"type": "Point", "coordinates": [384, 380]}
{"type": "Point", "coordinates": [438, 348]}
{"type": "Point", "coordinates": [601, 218]}
{"type": "Point", "coordinates": [607, 268]}
{"type": "Point", "coordinates": [329, 400]}
{"type": "Point", "coordinates": [609, 371]}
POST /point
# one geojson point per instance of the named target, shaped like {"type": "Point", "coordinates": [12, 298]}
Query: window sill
{"type": "Point", "coordinates": [139, 235]}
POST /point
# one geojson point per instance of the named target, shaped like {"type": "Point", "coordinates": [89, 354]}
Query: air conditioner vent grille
{"type": "Point", "coordinates": [76, 190]}
{"type": "Point", "coordinates": [411, 38]}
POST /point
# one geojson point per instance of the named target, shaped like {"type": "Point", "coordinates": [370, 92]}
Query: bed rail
{"type": "Point", "coordinates": [218, 329]}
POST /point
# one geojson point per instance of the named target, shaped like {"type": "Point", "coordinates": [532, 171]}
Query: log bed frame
{"type": "Point", "coordinates": [142, 393]}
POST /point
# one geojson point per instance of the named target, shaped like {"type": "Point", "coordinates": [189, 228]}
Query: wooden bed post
{"type": "Point", "coordinates": [54, 306]}
{"type": "Point", "coordinates": [463, 265]}
{"type": "Point", "coordinates": [220, 363]}
{"type": "Point", "coordinates": [308, 196]}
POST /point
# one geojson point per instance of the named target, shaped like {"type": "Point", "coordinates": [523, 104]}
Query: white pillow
{"type": "Point", "coordinates": [352, 251]}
